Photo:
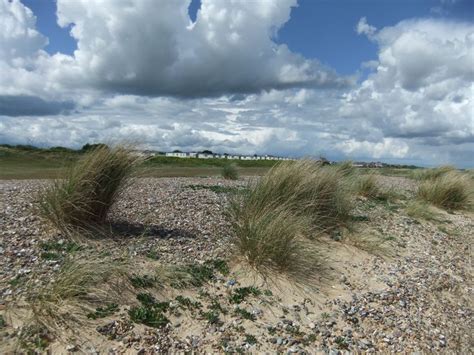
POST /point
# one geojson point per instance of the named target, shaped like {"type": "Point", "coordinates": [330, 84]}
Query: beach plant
{"type": "Point", "coordinates": [275, 222]}
{"type": "Point", "coordinates": [452, 190]}
{"type": "Point", "coordinates": [230, 172]}
{"type": "Point", "coordinates": [83, 199]}
{"type": "Point", "coordinates": [434, 173]}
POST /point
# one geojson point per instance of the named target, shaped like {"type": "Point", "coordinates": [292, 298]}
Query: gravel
{"type": "Point", "coordinates": [417, 299]}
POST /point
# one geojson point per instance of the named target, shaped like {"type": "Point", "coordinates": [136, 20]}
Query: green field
{"type": "Point", "coordinates": [25, 162]}
{"type": "Point", "coordinates": [33, 163]}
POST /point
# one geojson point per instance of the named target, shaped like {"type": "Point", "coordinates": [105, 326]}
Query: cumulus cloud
{"type": "Point", "coordinates": [364, 28]}
{"type": "Point", "coordinates": [151, 47]}
{"type": "Point", "coordinates": [421, 89]}
{"type": "Point", "coordinates": [244, 93]}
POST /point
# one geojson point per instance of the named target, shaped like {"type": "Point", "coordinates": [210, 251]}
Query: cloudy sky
{"type": "Point", "coordinates": [348, 79]}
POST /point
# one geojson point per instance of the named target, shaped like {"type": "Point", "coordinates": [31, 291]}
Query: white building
{"type": "Point", "coordinates": [177, 155]}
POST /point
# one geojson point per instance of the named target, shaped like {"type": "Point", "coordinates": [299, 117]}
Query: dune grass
{"type": "Point", "coordinates": [83, 199]}
{"type": "Point", "coordinates": [78, 289]}
{"type": "Point", "coordinates": [367, 186]}
{"type": "Point", "coordinates": [229, 172]}
{"type": "Point", "coordinates": [452, 190]}
{"type": "Point", "coordinates": [421, 210]}
{"type": "Point", "coordinates": [276, 221]}
{"type": "Point", "coordinates": [430, 174]}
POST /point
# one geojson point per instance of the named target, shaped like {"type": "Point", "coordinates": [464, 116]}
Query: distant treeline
{"type": "Point", "coordinates": [58, 149]}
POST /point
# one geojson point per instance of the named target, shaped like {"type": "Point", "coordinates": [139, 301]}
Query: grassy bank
{"type": "Point", "coordinates": [35, 163]}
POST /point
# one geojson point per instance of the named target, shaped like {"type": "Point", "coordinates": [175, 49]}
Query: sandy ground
{"type": "Point", "coordinates": [392, 283]}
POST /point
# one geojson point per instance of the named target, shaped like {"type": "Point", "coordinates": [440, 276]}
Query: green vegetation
{"type": "Point", "coordinates": [150, 312]}
{"type": "Point", "coordinates": [212, 162]}
{"type": "Point", "coordinates": [3, 323]}
{"type": "Point", "coordinates": [212, 317]}
{"type": "Point", "coordinates": [102, 312]}
{"type": "Point", "coordinates": [229, 172]}
{"type": "Point", "coordinates": [153, 254]}
{"type": "Point", "coordinates": [241, 293]}
{"type": "Point", "coordinates": [80, 285]}
{"type": "Point", "coordinates": [83, 199]}
{"type": "Point", "coordinates": [218, 189]}
{"type": "Point", "coordinates": [274, 221]}
{"type": "Point", "coordinates": [144, 281]}
{"type": "Point", "coordinates": [451, 190]}
{"type": "Point", "coordinates": [196, 274]}
{"type": "Point", "coordinates": [250, 339]}
{"type": "Point", "coordinates": [366, 185]}
{"type": "Point", "coordinates": [57, 250]}
{"type": "Point", "coordinates": [243, 313]}
{"type": "Point", "coordinates": [430, 174]}
{"type": "Point", "coordinates": [419, 209]}
{"type": "Point", "coordinates": [187, 303]}
{"type": "Point", "coordinates": [26, 162]}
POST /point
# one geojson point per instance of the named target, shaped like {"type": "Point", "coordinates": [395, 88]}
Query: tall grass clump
{"type": "Point", "coordinates": [84, 197]}
{"type": "Point", "coordinates": [346, 169]}
{"type": "Point", "coordinates": [304, 188]}
{"type": "Point", "coordinates": [229, 172]}
{"type": "Point", "coordinates": [452, 190]}
{"type": "Point", "coordinates": [274, 221]}
{"type": "Point", "coordinates": [366, 185]}
{"type": "Point", "coordinates": [430, 174]}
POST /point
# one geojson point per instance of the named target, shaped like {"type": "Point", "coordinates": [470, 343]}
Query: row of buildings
{"type": "Point", "coordinates": [211, 155]}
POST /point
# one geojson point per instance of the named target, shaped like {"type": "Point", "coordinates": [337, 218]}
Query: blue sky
{"type": "Point", "coordinates": [351, 79]}
{"type": "Point", "coordinates": [320, 29]}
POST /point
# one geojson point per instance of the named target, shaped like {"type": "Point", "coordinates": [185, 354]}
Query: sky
{"type": "Point", "coordinates": [366, 80]}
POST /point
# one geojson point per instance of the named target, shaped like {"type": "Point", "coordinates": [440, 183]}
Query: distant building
{"type": "Point", "coordinates": [177, 155]}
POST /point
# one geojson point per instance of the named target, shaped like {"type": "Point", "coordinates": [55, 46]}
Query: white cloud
{"type": "Point", "coordinates": [133, 64]}
{"type": "Point", "coordinates": [364, 28]}
{"type": "Point", "coordinates": [148, 47]}
{"type": "Point", "coordinates": [421, 90]}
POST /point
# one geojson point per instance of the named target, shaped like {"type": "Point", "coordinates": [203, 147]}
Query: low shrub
{"type": "Point", "coordinates": [92, 185]}
{"type": "Point", "coordinates": [229, 172]}
{"type": "Point", "coordinates": [452, 190]}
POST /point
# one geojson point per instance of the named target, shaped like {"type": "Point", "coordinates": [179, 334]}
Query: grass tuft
{"type": "Point", "coordinates": [430, 174]}
{"type": "Point", "coordinates": [229, 172]}
{"type": "Point", "coordinates": [80, 287]}
{"type": "Point", "coordinates": [83, 199]}
{"type": "Point", "coordinates": [419, 209]}
{"type": "Point", "coordinates": [275, 219]}
{"type": "Point", "coordinates": [452, 190]}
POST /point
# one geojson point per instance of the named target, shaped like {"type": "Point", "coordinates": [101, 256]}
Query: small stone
{"type": "Point", "coordinates": [312, 325]}
{"type": "Point", "coordinates": [71, 347]}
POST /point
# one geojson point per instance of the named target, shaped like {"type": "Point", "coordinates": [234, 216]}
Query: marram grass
{"type": "Point", "coordinates": [276, 222]}
{"type": "Point", "coordinates": [84, 198]}
{"type": "Point", "coordinates": [452, 190]}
